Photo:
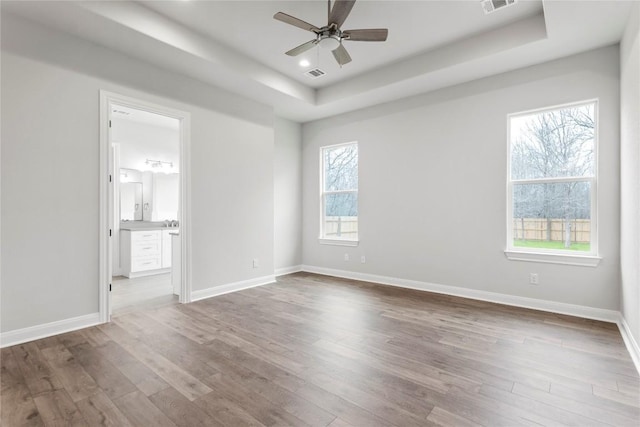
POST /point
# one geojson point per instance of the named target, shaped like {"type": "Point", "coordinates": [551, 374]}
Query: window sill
{"type": "Point", "coordinates": [566, 259]}
{"type": "Point", "coordinates": [338, 242]}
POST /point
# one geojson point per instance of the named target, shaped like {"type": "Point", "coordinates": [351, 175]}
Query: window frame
{"type": "Point", "coordinates": [323, 193]}
{"type": "Point", "coordinates": [556, 256]}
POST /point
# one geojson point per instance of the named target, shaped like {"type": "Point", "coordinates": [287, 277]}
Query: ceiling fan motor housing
{"type": "Point", "coordinates": [330, 39]}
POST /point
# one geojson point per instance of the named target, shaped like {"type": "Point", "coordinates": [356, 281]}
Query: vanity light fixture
{"type": "Point", "coordinates": [158, 166]}
{"type": "Point", "coordinates": [158, 163]}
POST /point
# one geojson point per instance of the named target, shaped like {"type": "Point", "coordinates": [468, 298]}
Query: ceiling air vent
{"type": "Point", "coordinates": [489, 6]}
{"type": "Point", "coordinates": [315, 73]}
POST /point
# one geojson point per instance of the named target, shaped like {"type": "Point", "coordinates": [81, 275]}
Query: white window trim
{"type": "Point", "coordinates": [566, 257]}
{"type": "Point", "coordinates": [553, 258]}
{"type": "Point", "coordinates": [333, 241]}
{"type": "Point", "coordinates": [338, 242]}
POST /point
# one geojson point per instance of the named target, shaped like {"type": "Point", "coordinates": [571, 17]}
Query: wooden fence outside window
{"type": "Point", "coordinates": [551, 229]}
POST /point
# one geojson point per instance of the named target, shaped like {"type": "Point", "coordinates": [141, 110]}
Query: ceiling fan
{"type": "Point", "coordinates": [331, 36]}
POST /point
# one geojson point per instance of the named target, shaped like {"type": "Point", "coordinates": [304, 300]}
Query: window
{"type": "Point", "coordinates": [552, 184]}
{"type": "Point", "coordinates": [339, 193]}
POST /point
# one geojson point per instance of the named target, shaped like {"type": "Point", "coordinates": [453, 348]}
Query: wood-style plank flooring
{"type": "Point", "coordinates": [320, 351]}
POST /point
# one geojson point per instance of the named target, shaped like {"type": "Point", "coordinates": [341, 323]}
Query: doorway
{"type": "Point", "coordinates": [144, 205]}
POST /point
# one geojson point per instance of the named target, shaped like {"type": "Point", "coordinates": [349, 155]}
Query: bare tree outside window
{"type": "Point", "coordinates": [553, 174]}
{"type": "Point", "coordinates": [340, 192]}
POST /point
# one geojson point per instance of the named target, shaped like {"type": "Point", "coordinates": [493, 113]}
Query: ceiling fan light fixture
{"type": "Point", "coordinates": [331, 36]}
{"type": "Point", "coordinates": [330, 43]}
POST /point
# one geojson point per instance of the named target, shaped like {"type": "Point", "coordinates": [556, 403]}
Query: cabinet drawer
{"type": "Point", "coordinates": [146, 248]}
{"type": "Point", "coordinates": [145, 236]}
{"type": "Point", "coordinates": [145, 263]}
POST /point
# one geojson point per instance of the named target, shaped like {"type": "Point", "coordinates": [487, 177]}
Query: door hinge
{"type": "Point", "coordinates": [109, 232]}
{"type": "Point", "coordinates": [109, 287]}
{"type": "Point", "coordinates": [109, 123]}
{"type": "Point", "coordinates": [109, 178]}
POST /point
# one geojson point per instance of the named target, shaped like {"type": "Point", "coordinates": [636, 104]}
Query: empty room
{"type": "Point", "coordinates": [320, 213]}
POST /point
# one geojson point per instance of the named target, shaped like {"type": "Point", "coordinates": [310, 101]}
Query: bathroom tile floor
{"type": "Point", "coordinates": [129, 295]}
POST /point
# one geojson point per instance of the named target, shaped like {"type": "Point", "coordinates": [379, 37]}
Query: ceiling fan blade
{"type": "Point", "coordinates": [341, 55]}
{"type": "Point", "coordinates": [370, 35]}
{"type": "Point", "coordinates": [302, 48]}
{"type": "Point", "coordinates": [340, 11]}
{"type": "Point", "coordinates": [292, 20]}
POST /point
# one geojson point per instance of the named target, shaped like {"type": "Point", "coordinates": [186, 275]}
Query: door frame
{"type": "Point", "coordinates": [107, 181]}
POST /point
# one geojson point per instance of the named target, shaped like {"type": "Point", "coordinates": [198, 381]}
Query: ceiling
{"type": "Point", "coordinates": [259, 36]}
{"type": "Point", "coordinates": [237, 45]}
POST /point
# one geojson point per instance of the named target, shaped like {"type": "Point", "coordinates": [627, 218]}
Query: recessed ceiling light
{"type": "Point", "coordinates": [304, 63]}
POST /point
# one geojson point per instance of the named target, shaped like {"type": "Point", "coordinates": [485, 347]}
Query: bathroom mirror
{"type": "Point", "coordinates": [131, 201]}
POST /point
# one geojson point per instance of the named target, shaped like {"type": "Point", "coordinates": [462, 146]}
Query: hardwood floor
{"type": "Point", "coordinates": [321, 351]}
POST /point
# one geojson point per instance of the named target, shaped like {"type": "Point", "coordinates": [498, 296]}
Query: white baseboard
{"type": "Point", "coordinates": [629, 341]}
{"type": "Point", "coordinates": [288, 270]}
{"type": "Point", "coordinates": [31, 333]}
{"type": "Point", "coordinates": [611, 316]}
{"type": "Point", "coordinates": [231, 287]}
{"type": "Point", "coordinates": [20, 336]}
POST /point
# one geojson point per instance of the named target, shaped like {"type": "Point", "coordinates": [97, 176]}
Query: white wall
{"type": "Point", "coordinates": [232, 199]}
{"type": "Point", "coordinates": [432, 196]}
{"type": "Point", "coordinates": [166, 197]}
{"type": "Point", "coordinates": [288, 194]}
{"type": "Point", "coordinates": [630, 173]}
{"type": "Point", "coordinates": [142, 141]}
{"type": "Point", "coordinates": [49, 196]}
{"type": "Point", "coordinates": [50, 163]}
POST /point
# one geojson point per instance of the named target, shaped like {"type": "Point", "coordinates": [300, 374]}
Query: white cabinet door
{"type": "Point", "coordinates": [166, 248]}
{"type": "Point", "coordinates": [176, 270]}
{"type": "Point", "coordinates": [141, 252]}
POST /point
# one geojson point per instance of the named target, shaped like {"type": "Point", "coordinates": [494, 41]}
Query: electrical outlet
{"type": "Point", "coordinates": [346, 257]}
{"type": "Point", "coordinates": [533, 279]}
{"type": "Point", "coordinates": [256, 263]}
{"type": "Point", "coordinates": [363, 259]}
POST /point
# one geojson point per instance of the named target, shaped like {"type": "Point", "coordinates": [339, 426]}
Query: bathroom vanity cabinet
{"type": "Point", "coordinates": [145, 252]}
